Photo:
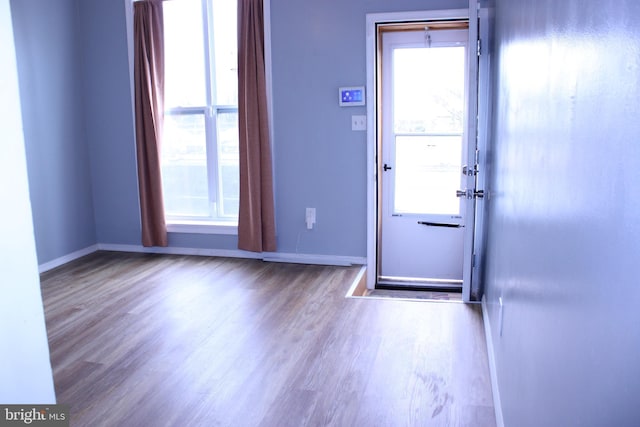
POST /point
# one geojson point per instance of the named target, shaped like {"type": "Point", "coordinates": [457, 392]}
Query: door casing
{"type": "Point", "coordinates": [373, 20]}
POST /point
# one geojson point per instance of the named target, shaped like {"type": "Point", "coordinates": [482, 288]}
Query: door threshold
{"type": "Point", "coordinates": [358, 289]}
{"type": "Point", "coordinates": [414, 295]}
{"type": "Point", "coordinates": [419, 284]}
{"type": "Point", "coordinates": [419, 287]}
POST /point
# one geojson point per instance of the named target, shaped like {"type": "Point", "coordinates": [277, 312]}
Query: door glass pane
{"type": "Point", "coordinates": [427, 174]}
{"type": "Point", "coordinates": [228, 160]}
{"type": "Point", "coordinates": [428, 90]}
{"type": "Point", "coordinates": [184, 54]}
{"type": "Point", "coordinates": [184, 166]}
{"type": "Point", "coordinates": [428, 102]}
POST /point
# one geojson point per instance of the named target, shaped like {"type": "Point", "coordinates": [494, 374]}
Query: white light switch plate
{"type": "Point", "coordinates": [358, 122]}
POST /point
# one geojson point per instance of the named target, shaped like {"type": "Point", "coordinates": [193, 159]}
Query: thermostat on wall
{"type": "Point", "coordinates": [351, 96]}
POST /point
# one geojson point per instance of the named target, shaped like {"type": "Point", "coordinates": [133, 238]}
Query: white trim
{"type": "Point", "coordinates": [236, 253]}
{"type": "Point", "coordinates": [356, 281]}
{"type": "Point", "coordinates": [128, 13]}
{"type": "Point", "coordinates": [268, 76]}
{"type": "Point", "coordinates": [226, 253]}
{"type": "Point", "coordinates": [50, 265]}
{"type": "Point", "coordinates": [129, 20]}
{"type": "Point", "coordinates": [372, 198]}
{"type": "Point", "coordinates": [268, 64]}
{"type": "Point", "coordinates": [229, 253]}
{"type": "Point", "coordinates": [313, 259]}
{"type": "Point", "coordinates": [497, 405]}
{"type": "Point", "coordinates": [198, 227]}
{"type": "Point", "coordinates": [419, 15]}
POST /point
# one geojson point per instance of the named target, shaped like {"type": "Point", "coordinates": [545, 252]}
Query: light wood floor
{"type": "Point", "coordinates": [155, 340]}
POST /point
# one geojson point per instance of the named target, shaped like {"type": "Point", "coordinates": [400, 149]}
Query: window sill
{"type": "Point", "coordinates": [202, 227]}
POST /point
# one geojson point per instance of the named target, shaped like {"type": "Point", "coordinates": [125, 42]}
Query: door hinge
{"type": "Point", "coordinates": [479, 50]}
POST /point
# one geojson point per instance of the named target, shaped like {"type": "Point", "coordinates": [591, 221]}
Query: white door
{"type": "Point", "coordinates": [425, 146]}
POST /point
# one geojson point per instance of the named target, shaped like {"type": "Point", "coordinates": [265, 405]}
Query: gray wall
{"type": "Point", "coordinates": [51, 87]}
{"type": "Point", "coordinates": [564, 234]}
{"type": "Point", "coordinates": [73, 56]}
{"type": "Point", "coordinates": [25, 371]}
{"type": "Point", "coordinates": [109, 121]}
{"type": "Point", "coordinates": [318, 46]}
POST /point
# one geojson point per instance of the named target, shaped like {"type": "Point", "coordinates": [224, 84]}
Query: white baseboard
{"type": "Point", "coordinates": [492, 365]}
{"type": "Point", "coordinates": [229, 253]}
{"type": "Point", "coordinates": [67, 258]}
{"type": "Point", "coordinates": [313, 259]}
{"type": "Point", "coordinates": [237, 253]}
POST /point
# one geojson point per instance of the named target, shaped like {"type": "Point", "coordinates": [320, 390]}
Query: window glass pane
{"type": "Point", "coordinates": [427, 174]}
{"type": "Point", "coordinates": [428, 98]}
{"type": "Point", "coordinates": [225, 51]}
{"type": "Point", "coordinates": [229, 172]}
{"type": "Point", "coordinates": [184, 166]}
{"type": "Point", "coordinates": [185, 70]}
{"type": "Point", "coordinates": [200, 170]}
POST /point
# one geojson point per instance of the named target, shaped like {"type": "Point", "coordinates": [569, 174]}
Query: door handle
{"type": "Point", "coordinates": [386, 167]}
{"type": "Point", "coordinates": [440, 224]}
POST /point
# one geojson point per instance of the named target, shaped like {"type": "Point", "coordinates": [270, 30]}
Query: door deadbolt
{"type": "Point", "coordinates": [470, 171]}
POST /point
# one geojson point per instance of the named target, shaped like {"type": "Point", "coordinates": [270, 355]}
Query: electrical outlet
{"type": "Point", "coordinates": [310, 217]}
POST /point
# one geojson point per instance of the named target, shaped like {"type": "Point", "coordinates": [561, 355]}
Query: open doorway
{"type": "Point", "coordinates": [422, 147]}
{"type": "Point", "coordinates": [423, 154]}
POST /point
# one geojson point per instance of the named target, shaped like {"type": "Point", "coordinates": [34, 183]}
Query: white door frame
{"type": "Point", "coordinates": [372, 133]}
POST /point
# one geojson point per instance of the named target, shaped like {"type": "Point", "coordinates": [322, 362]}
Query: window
{"type": "Point", "coordinates": [200, 173]}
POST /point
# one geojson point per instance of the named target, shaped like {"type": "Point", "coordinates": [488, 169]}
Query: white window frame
{"type": "Point", "coordinates": [217, 223]}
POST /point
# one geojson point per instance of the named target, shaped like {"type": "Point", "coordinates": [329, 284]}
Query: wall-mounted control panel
{"type": "Point", "coordinates": [352, 96]}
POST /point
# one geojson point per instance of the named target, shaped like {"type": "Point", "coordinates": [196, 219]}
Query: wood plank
{"type": "Point", "coordinates": [140, 339]}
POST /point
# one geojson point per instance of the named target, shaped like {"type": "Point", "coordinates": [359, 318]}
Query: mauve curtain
{"type": "Point", "coordinates": [149, 92]}
{"type": "Point", "coordinates": [256, 219]}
